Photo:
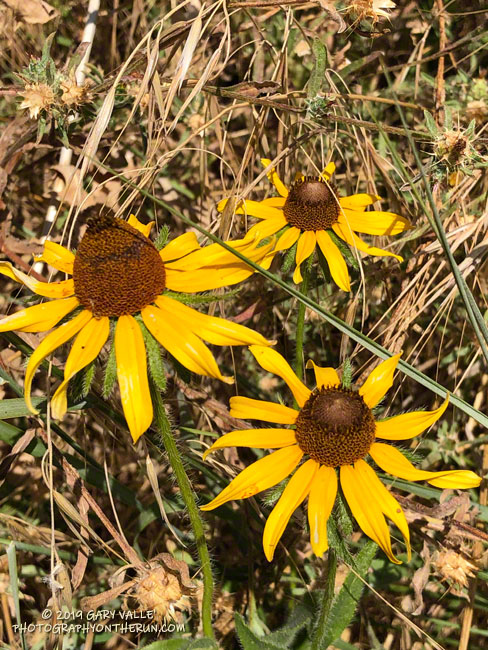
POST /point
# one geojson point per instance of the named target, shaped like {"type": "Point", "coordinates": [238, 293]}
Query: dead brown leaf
{"type": "Point", "coordinates": [34, 12]}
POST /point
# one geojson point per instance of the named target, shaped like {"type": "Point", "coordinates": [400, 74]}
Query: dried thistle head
{"type": "Point", "coordinates": [372, 10]}
{"type": "Point", "coordinates": [74, 95]}
{"type": "Point", "coordinates": [37, 97]}
{"type": "Point", "coordinates": [453, 567]}
{"type": "Point", "coordinates": [452, 146]}
{"type": "Point", "coordinates": [163, 587]}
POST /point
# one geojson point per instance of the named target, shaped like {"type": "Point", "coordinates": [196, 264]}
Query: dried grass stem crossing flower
{"type": "Point", "coordinates": [334, 429]}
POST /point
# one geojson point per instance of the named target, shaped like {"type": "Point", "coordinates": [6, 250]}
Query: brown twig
{"type": "Point", "coordinates": [440, 91]}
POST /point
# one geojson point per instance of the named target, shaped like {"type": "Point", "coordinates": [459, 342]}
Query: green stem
{"type": "Point", "coordinates": [301, 320]}
{"type": "Point", "coordinates": [164, 427]}
{"type": "Point", "coordinates": [320, 630]}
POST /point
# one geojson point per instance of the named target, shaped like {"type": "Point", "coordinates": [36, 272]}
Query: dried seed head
{"type": "Point", "coordinates": [37, 98]}
{"type": "Point", "coordinates": [164, 592]}
{"type": "Point", "coordinates": [454, 567]}
{"type": "Point", "coordinates": [73, 94]}
{"type": "Point", "coordinates": [373, 10]}
{"type": "Point", "coordinates": [312, 204]}
{"type": "Point", "coordinates": [335, 427]}
{"type": "Point", "coordinates": [117, 270]}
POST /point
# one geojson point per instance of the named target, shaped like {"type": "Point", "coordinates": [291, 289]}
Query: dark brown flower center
{"type": "Point", "coordinates": [335, 427]}
{"type": "Point", "coordinates": [117, 270]}
{"type": "Point", "coordinates": [312, 204]}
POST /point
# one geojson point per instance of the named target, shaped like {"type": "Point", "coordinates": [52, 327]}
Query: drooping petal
{"type": "Point", "coordinates": [177, 337]}
{"type": "Point", "coordinates": [246, 408]}
{"type": "Point", "coordinates": [328, 171]}
{"type": "Point", "coordinates": [266, 228]}
{"type": "Point", "coordinates": [306, 246]}
{"type": "Point", "coordinates": [179, 247]}
{"type": "Point", "coordinates": [294, 493]}
{"type": "Point", "coordinates": [272, 361]}
{"type": "Point", "coordinates": [259, 476]}
{"type": "Point", "coordinates": [57, 256]}
{"type": "Point", "coordinates": [320, 503]}
{"type": "Point", "coordinates": [409, 425]}
{"type": "Point", "coordinates": [84, 350]}
{"type": "Point", "coordinates": [218, 331]}
{"type": "Point", "coordinates": [386, 501]}
{"type": "Point", "coordinates": [374, 223]}
{"type": "Point", "coordinates": [274, 178]}
{"type": "Point", "coordinates": [256, 209]}
{"type": "Point", "coordinates": [337, 264]}
{"type": "Point", "coordinates": [130, 356]}
{"type": "Point", "coordinates": [53, 340]}
{"type": "Point", "coordinates": [379, 381]}
{"type": "Point", "coordinates": [257, 438]}
{"type": "Point", "coordinates": [63, 289]}
{"type": "Point", "coordinates": [39, 318]}
{"type": "Point", "coordinates": [366, 510]}
{"type": "Point", "coordinates": [143, 228]}
{"type": "Point", "coordinates": [288, 239]}
{"type": "Point", "coordinates": [391, 460]}
{"type": "Point", "coordinates": [345, 233]}
{"type": "Point", "coordinates": [324, 376]}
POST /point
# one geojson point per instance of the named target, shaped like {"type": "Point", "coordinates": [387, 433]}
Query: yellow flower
{"type": "Point", "coordinates": [309, 210]}
{"type": "Point", "coordinates": [117, 272]}
{"type": "Point", "coordinates": [334, 428]}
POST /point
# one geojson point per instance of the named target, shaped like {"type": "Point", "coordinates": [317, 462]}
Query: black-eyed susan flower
{"type": "Point", "coordinates": [334, 429]}
{"type": "Point", "coordinates": [117, 273]}
{"type": "Point", "coordinates": [310, 211]}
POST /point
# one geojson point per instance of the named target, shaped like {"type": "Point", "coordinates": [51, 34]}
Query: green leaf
{"type": "Point", "coordinates": [17, 408]}
{"type": "Point", "coordinates": [248, 639]}
{"type": "Point", "coordinates": [88, 376]}
{"type": "Point", "coordinates": [430, 124]}
{"type": "Point", "coordinates": [347, 373]}
{"type": "Point", "coordinates": [162, 238]}
{"type": "Point", "coordinates": [153, 349]}
{"type": "Point", "coordinates": [289, 258]}
{"type": "Point", "coordinates": [46, 50]}
{"type": "Point", "coordinates": [346, 252]}
{"type": "Point", "coordinates": [110, 371]}
{"type": "Point", "coordinates": [317, 76]}
{"type": "Point", "coordinates": [8, 433]}
{"type": "Point", "coordinates": [344, 605]}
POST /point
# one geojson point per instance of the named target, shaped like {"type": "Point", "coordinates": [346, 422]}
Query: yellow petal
{"type": "Point", "coordinates": [274, 178]}
{"type": "Point", "coordinates": [216, 255]}
{"type": "Point", "coordinates": [47, 289]}
{"type": "Point", "coordinates": [320, 503]}
{"type": "Point", "coordinates": [195, 281]}
{"type": "Point", "coordinates": [218, 331]}
{"type": "Point", "coordinates": [337, 264]}
{"type": "Point", "coordinates": [366, 509]}
{"type": "Point", "coordinates": [257, 438]}
{"type": "Point", "coordinates": [246, 408]}
{"type": "Point", "coordinates": [388, 504]}
{"type": "Point", "coordinates": [144, 228]}
{"type": "Point", "coordinates": [130, 357]}
{"type": "Point", "coordinates": [391, 460]}
{"type": "Point", "coordinates": [84, 350]}
{"type": "Point", "coordinates": [275, 201]}
{"type": "Point", "coordinates": [358, 202]}
{"type": "Point", "coordinates": [176, 336]}
{"type": "Point", "coordinates": [328, 171]}
{"type": "Point", "coordinates": [306, 246]}
{"type": "Point", "coordinates": [256, 209]}
{"type": "Point", "coordinates": [324, 376]}
{"type": "Point", "coordinates": [53, 340]}
{"type": "Point", "coordinates": [266, 228]}
{"type": "Point", "coordinates": [39, 318]}
{"type": "Point", "coordinates": [344, 232]}
{"type": "Point", "coordinates": [57, 256]}
{"type": "Point", "coordinates": [272, 361]}
{"type": "Point", "coordinates": [374, 223]}
{"type": "Point", "coordinates": [409, 425]}
{"type": "Point", "coordinates": [259, 476]}
{"type": "Point", "coordinates": [294, 493]}
{"type": "Point", "coordinates": [379, 381]}
{"type": "Point", "coordinates": [179, 247]}
{"type": "Point", "coordinates": [288, 239]}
